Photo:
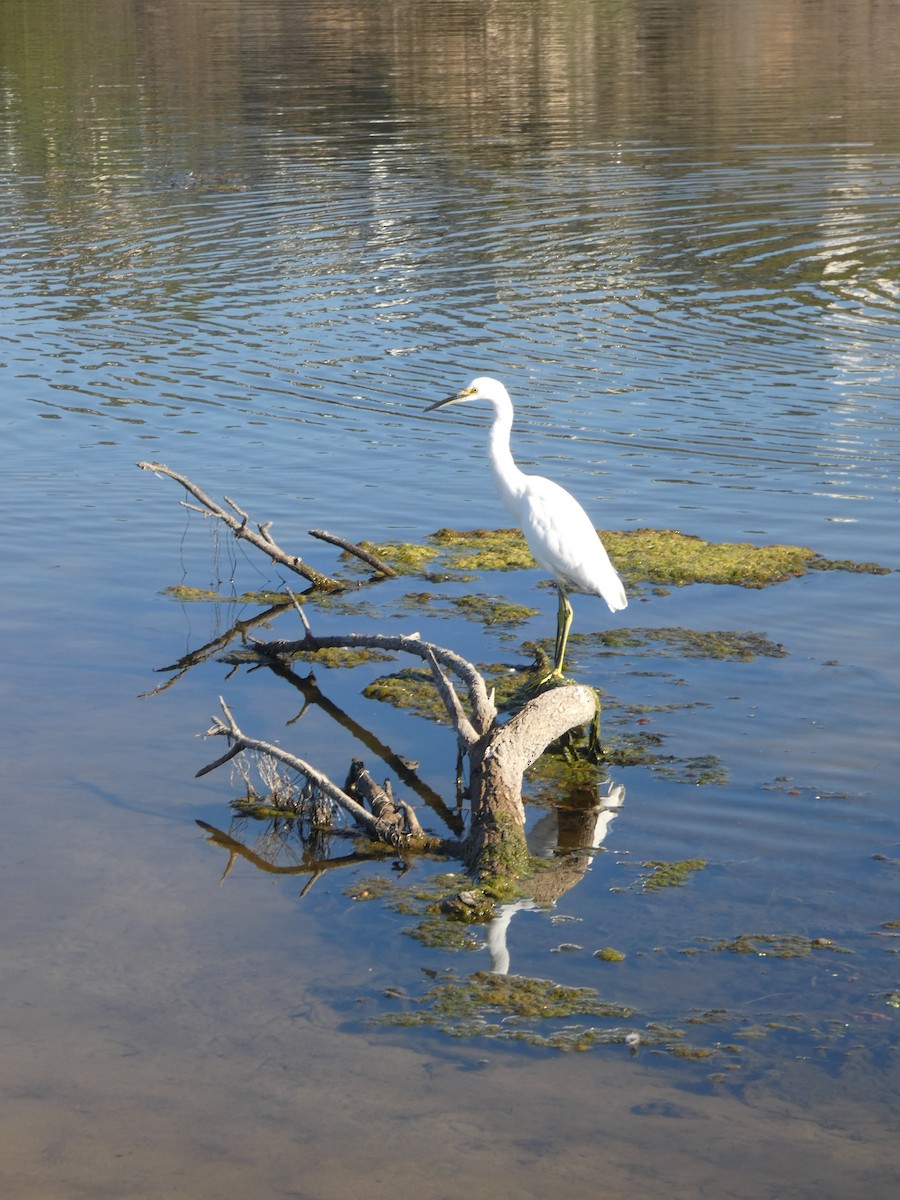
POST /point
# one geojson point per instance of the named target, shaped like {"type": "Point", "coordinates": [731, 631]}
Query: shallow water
{"type": "Point", "coordinates": [253, 241]}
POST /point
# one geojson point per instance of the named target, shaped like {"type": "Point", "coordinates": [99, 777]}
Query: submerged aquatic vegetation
{"type": "Point", "coordinates": [412, 689]}
{"type": "Point", "coordinates": [342, 657]}
{"type": "Point", "coordinates": [493, 610]}
{"type": "Point", "coordinates": [444, 920]}
{"type": "Point", "coordinates": [642, 749]}
{"type": "Point", "coordinates": [486, 609]}
{"type": "Point", "coordinates": [374, 887]}
{"type": "Point", "coordinates": [669, 874]}
{"type": "Point", "coordinates": [485, 993]}
{"type": "Point", "coordinates": [482, 549]}
{"type": "Point", "coordinates": [700, 770]}
{"type": "Point", "coordinates": [655, 556]}
{"type": "Point", "coordinates": [775, 945]}
{"type": "Point", "coordinates": [441, 934]}
{"type": "Point", "coordinates": [193, 595]}
{"type": "Point", "coordinates": [407, 558]}
{"type": "Point", "coordinates": [670, 641]}
{"type": "Point", "coordinates": [537, 1012]}
{"type": "Point", "coordinates": [669, 557]}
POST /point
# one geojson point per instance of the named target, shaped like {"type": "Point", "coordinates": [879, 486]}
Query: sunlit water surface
{"type": "Point", "coordinates": [253, 242]}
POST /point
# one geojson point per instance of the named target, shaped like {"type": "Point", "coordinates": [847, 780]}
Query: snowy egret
{"type": "Point", "coordinates": [558, 531]}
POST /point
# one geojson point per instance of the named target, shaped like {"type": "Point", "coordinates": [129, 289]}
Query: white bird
{"type": "Point", "coordinates": [558, 531]}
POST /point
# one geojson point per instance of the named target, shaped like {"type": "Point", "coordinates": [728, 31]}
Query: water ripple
{"type": "Point", "coordinates": [732, 325]}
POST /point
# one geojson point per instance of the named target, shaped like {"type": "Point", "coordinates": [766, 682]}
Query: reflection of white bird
{"type": "Point", "coordinates": [566, 828]}
{"type": "Point", "coordinates": [554, 839]}
{"type": "Point", "coordinates": [495, 935]}
{"type": "Point", "coordinates": [558, 531]}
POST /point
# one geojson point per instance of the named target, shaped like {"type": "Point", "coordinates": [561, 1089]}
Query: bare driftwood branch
{"type": "Point", "coordinates": [401, 768]}
{"type": "Point", "coordinates": [500, 761]}
{"type": "Point", "coordinates": [498, 754]}
{"type": "Point", "coordinates": [379, 827]}
{"type": "Point", "coordinates": [241, 528]}
{"type": "Point", "coordinates": [367, 556]}
{"type": "Point", "coordinates": [298, 607]}
{"type": "Point", "coordinates": [467, 734]}
{"type": "Point", "coordinates": [396, 813]}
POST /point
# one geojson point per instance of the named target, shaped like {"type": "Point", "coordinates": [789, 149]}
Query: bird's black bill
{"type": "Point", "coordinates": [463, 395]}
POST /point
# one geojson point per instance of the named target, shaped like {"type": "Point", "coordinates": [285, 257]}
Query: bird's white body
{"type": "Point", "coordinates": [558, 531]}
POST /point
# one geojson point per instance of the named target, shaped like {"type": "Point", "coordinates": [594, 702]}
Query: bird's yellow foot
{"type": "Point", "coordinates": [552, 679]}
{"type": "Point", "coordinates": [542, 675]}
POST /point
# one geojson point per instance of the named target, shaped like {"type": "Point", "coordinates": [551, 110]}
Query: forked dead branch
{"type": "Point", "coordinates": [260, 535]}
{"type": "Point", "coordinates": [496, 752]}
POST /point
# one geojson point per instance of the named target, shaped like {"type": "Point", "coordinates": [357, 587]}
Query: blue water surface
{"type": "Point", "coordinates": [254, 243]}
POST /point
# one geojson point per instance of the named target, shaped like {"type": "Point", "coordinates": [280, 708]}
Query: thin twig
{"type": "Point", "coordinates": [245, 517]}
{"type": "Point", "coordinates": [300, 613]}
{"type": "Point", "coordinates": [451, 702]}
{"type": "Point", "coordinates": [367, 556]}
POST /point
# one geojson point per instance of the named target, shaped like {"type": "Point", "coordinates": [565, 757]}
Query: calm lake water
{"type": "Point", "coordinates": [254, 241]}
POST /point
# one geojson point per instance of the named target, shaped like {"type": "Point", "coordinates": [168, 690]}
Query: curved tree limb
{"type": "Point", "coordinates": [498, 754]}
{"type": "Point", "coordinates": [502, 759]}
{"type": "Point", "coordinates": [498, 763]}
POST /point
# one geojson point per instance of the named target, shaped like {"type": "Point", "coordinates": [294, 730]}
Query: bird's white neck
{"type": "Point", "coordinates": [509, 479]}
